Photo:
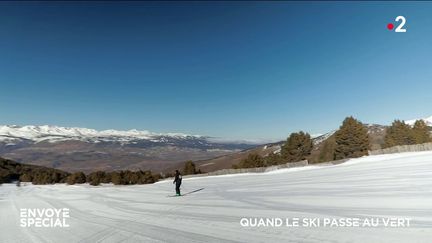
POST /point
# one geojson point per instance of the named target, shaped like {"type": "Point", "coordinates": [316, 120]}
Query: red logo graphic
{"type": "Point", "coordinates": [390, 26]}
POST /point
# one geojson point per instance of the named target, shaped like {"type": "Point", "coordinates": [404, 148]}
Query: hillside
{"type": "Point", "coordinates": [376, 133]}
{"type": "Point", "coordinates": [227, 161]}
{"type": "Point", "coordinates": [11, 171]}
{"type": "Point", "coordinates": [82, 149]}
{"type": "Point", "coordinates": [87, 150]}
{"type": "Point", "coordinates": [385, 186]}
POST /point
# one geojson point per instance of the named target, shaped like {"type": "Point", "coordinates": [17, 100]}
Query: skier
{"type": "Point", "coordinates": [177, 181]}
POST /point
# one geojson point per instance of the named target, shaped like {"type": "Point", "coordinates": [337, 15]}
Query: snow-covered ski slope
{"type": "Point", "coordinates": [397, 185]}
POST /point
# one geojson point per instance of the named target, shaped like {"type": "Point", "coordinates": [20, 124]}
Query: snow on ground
{"type": "Point", "coordinates": [397, 185]}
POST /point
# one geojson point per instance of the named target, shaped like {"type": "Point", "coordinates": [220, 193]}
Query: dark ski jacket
{"type": "Point", "coordinates": [177, 179]}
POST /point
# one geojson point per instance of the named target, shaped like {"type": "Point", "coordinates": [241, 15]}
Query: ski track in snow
{"type": "Point", "coordinates": [398, 185]}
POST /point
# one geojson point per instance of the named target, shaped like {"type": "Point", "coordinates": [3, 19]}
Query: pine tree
{"type": "Point", "coordinates": [148, 177]}
{"type": "Point", "coordinates": [80, 178]}
{"type": "Point", "coordinates": [132, 177]}
{"type": "Point", "coordinates": [76, 178]}
{"type": "Point", "coordinates": [70, 180]}
{"type": "Point", "coordinates": [189, 168]}
{"type": "Point", "coordinates": [25, 177]}
{"type": "Point", "coordinates": [421, 132]}
{"type": "Point", "coordinates": [116, 178]}
{"type": "Point", "coordinates": [273, 159]}
{"type": "Point", "coordinates": [252, 161]}
{"type": "Point", "coordinates": [399, 133]}
{"type": "Point", "coordinates": [327, 152]}
{"type": "Point", "coordinates": [297, 147]}
{"type": "Point", "coordinates": [95, 178]}
{"type": "Point", "coordinates": [352, 139]}
{"type": "Point", "coordinates": [5, 176]}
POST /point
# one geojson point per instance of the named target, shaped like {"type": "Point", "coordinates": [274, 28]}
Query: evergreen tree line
{"type": "Point", "coordinates": [42, 177]}
{"type": "Point", "coordinates": [12, 171]}
{"type": "Point", "coordinates": [126, 177]}
{"type": "Point", "coordinates": [297, 147]}
{"type": "Point", "coordinates": [189, 168]}
{"type": "Point", "coordinates": [400, 133]}
{"type": "Point", "coordinates": [350, 141]}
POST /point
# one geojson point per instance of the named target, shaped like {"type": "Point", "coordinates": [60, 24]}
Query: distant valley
{"type": "Point", "coordinates": [82, 149]}
{"type": "Point", "coordinates": [88, 150]}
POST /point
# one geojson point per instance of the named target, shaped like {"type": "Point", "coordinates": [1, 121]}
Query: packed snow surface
{"type": "Point", "coordinates": [383, 186]}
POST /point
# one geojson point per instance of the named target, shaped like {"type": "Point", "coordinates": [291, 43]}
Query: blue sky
{"type": "Point", "coordinates": [249, 70]}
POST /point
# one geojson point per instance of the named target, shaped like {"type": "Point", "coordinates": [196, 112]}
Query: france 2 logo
{"type": "Point", "coordinates": [400, 28]}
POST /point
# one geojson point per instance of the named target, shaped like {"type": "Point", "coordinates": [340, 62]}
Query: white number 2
{"type": "Point", "coordinates": [401, 25]}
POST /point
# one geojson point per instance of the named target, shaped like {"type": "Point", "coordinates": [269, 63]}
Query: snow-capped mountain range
{"type": "Point", "coordinates": [52, 134]}
{"type": "Point", "coordinates": [11, 133]}
{"type": "Point", "coordinates": [56, 134]}
{"type": "Point", "coordinates": [83, 149]}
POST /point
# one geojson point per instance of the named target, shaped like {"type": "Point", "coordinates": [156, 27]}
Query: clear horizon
{"type": "Point", "coordinates": [214, 138]}
{"type": "Point", "coordinates": [241, 70]}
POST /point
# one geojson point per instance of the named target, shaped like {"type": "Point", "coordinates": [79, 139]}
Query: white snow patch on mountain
{"type": "Point", "coordinates": [427, 120]}
{"type": "Point", "coordinates": [321, 138]}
